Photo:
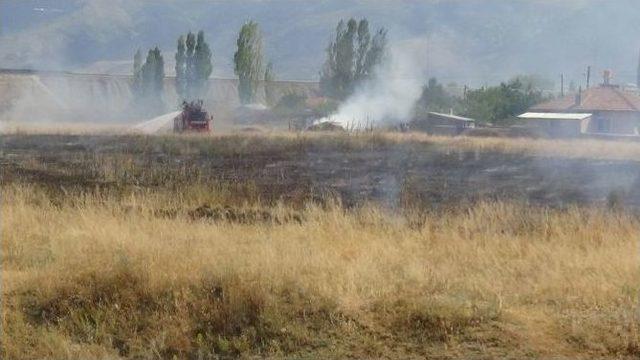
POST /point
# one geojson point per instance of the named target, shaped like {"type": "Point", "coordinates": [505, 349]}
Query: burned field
{"type": "Point", "coordinates": [353, 170]}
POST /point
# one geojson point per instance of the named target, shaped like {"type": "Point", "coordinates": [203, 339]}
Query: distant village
{"type": "Point", "coordinates": [605, 110]}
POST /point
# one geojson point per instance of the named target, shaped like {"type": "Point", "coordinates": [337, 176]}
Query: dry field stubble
{"type": "Point", "coordinates": [141, 274]}
{"type": "Point", "coordinates": [579, 148]}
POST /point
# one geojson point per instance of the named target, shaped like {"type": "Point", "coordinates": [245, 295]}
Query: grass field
{"type": "Point", "coordinates": [127, 266]}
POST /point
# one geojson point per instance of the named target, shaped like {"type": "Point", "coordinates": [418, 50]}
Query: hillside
{"type": "Point", "coordinates": [473, 42]}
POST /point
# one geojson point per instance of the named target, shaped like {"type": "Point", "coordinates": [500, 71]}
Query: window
{"type": "Point", "coordinates": [603, 124]}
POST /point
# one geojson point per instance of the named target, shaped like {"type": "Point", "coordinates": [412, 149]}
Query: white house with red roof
{"type": "Point", "coordinates": [603, 110]}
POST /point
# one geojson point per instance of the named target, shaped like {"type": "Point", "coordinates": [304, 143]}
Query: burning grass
{"type": "Point", "coordinates": [95, 275]}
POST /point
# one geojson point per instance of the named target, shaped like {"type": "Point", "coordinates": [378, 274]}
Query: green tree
{"type": "Point", "coordinates": [152, 81]}
{"type": "Point", "coordinates": [248, 61]}
{"type": "Point", "coordinates": [194, 65]}
{"type": "Point", "coordinates": [137, 73]}
{"type": "Point", "coordinates": [435, 98]}
{"type": "Point", "coordinates": [269, 90]}
{"type": "Point", "coordinates": [500, 104]}
{"type": "Point", "coordinates": [181, 71]}
{"type": "Point", "coordinates": [203, 65]}
{"type": "Point", "coordinates": [190, 43]}
{"type": "Point", "coordinates": [158, 79]}
{"type": "Point", "coordinates": [364, 43]}
{"type": "Point", "coordinates": [189, 71]}
{"type": "Point", "coordinates": [351, 57]}
{"type": "Point", "coordinates": [536, 82]}
{"type": "Point", "coordinates": [291, 102]}
{"type": "Point", "coordinates": [345, 57]}
{"type": "Point", "coordinates": [377, 52]}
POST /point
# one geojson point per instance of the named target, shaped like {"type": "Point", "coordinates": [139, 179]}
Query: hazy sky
{"type": "Point", "coordinates": [472, 42]}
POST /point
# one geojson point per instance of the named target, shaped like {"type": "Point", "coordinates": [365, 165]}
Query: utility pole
{"type": "Point", "coordinates": [589, 75]}
{"type": "Point", "coordinates": [561, 84]}
{"type": "Point", "coordinates": [638, 80]}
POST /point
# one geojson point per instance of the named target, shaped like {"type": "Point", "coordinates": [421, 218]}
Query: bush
{"type": "Point", "coordinates": [292, 102]}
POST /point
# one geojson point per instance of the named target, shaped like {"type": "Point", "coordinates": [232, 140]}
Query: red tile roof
{"type": "Point", "coordinates": [602, 98]}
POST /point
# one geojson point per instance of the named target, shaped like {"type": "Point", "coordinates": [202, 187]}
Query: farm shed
{"type": "Point", "coordinates": [442, 124]}
{"type": "Point", "coordinates": [558, 124]}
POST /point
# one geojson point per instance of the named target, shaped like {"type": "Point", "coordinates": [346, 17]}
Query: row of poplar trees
{"type": "Point", "coordinates": [352, 56]}
{"type": "Point", "coordinates": [194, 65]}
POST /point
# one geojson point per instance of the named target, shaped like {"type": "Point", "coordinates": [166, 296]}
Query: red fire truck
{"type": "Point", "coordinates": [193, 118]}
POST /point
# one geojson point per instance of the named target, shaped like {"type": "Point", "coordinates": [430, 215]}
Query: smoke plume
{"type": "Point", "coordinates": [389, 97]}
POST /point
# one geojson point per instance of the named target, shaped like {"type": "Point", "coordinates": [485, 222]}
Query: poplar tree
{"type": "Point", "coordinates": [137, 73]}
{"type": "Point", "coordinates": [352, 57]}
{"type": "Point", "coordinates": [158, 74]}
{"type": "Point", "coordinates": [194, 65]}
{"type": "Point", "coordinates": [189, 65]}
{"type": "Point", "coordinates": [181, 58]}
{"type": "Point", "coordinates": [364, 40]}
{"type": "Point", "coordinates": [152, 80]}
{"type": "Point", "coordinates": [203, 66]}
{"type": "Point", "coordinates": [345, 57]}
{"type": "Point", "coordinates": [148, 81]}
{"type": "Point", "coordinates": [376, 53]}
{"type": "Point", "coordinates": [269, 91]}
{"type": "Point", "coordinates": [248, 61]}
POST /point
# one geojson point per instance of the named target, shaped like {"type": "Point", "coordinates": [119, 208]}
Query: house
{"type": "Point", "coordinates": [442, 124]}
{"type": "Point", "coordinates": [612, 110]}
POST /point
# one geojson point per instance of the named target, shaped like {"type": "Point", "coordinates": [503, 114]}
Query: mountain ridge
{"type": "Point", "coordinates": [472, 42]}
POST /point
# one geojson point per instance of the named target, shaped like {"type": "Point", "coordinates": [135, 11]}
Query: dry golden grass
{"type": "Point", "coordinates": [570, 148]}
{"type": "Point", "coordinates": [92, 276]}
{"type": "Point", "coordinates": [70, 128]}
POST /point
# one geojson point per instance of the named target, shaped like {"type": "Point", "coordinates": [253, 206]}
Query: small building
{"type": "Point", "coordinates": [558, 124]}
{"type": "Point", "coordinates": [442, 124]}
{"type": "Point", "coordinates": [613, 110]}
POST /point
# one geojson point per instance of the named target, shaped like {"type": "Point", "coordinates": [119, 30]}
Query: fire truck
{"type": "Point", "coordinates": [193, 118]}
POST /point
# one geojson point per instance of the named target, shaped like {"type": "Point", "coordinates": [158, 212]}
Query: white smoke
{"type": "Point", "coordinates": [60, 97]}
{"type": "Point", "coordinates": [389, 97]}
